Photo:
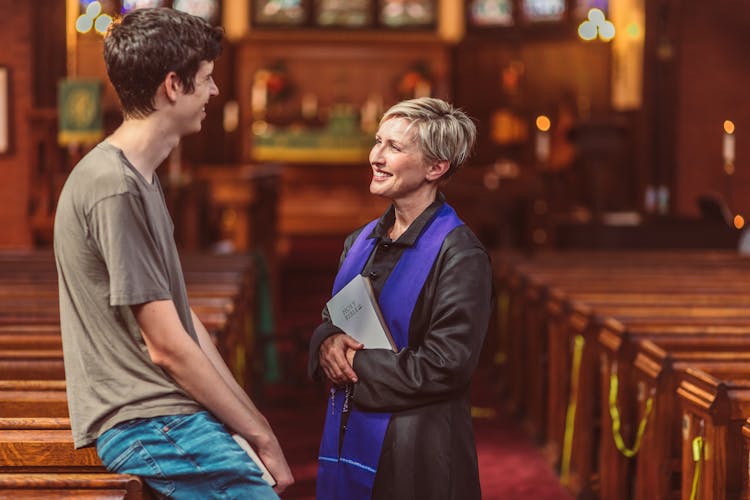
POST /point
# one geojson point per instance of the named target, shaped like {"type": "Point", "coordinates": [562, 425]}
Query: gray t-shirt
{"type": "Point", "coordinates": [114, 248]}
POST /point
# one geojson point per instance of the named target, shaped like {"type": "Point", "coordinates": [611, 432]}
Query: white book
{"type": "Point", "coordinates": [355, 310]}
{"type": "Point", "coordinates": [250, 451]}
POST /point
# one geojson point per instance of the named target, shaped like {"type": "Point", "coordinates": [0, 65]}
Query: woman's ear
{"type": "Point", "coordinates": [437, 169]}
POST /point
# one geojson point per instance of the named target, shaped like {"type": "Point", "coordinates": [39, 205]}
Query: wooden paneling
{"type": "Point", "coordinates": [15, 39]}
{"type": "Point", "coordinates": [713, 82]}
{"type": "Point", "coordinates": [337, 68]}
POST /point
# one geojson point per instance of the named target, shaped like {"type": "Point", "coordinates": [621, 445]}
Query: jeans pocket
{"type": "Point", "coordinates": [138, 461]}
{"type": "Point", "coordinates": [111, 435]}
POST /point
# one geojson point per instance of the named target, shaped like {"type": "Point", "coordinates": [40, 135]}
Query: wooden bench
{"type": "Point", "coordinates": [33, 398]}
{"type": "Point", "coordinates": [715, 406]}
{"type": "Point", "coordinates": [31, 365]}
{"type": "Point", "coordinates": [582, 464]}
{"type": "Point", "coordinates": [37, 458]}
{"type": "Point", "coordinates": [540, 345]}
{"type": "Point", "coordinates": [654, 376]}
{"type": "Point", "coordinates": [56, 486]}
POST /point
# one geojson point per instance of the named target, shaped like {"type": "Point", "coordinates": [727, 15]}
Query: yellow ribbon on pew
{"type": "Point", "coordinates": [503, 308]}
{"type": "Point", "coordinates": [698, 459]}
{"type": "Point", "coordinates": [570, 414]}
{"type": "Point", "coordinates": [614, 412]}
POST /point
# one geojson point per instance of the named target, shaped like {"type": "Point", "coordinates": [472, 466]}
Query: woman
{"type": "Point", "coordinates": [398, 424]}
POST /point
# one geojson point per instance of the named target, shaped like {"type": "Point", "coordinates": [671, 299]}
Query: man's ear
{"type": "Point", "coordinates": [437, 169]}
{"type": "Point", "coordinates": [172, 86]}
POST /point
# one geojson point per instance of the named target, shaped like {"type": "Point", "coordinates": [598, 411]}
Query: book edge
{"type": "Point", "coordinates": [267, 476]}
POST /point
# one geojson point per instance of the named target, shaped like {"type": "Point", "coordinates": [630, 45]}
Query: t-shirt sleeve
{"type": "Point", "coordinates": [120, 230]}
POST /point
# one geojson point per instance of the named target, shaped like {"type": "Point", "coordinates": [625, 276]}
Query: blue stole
{"type": "Point", "coordinates": [350, 475]}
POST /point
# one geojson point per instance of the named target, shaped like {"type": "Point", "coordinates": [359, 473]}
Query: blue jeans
{"type": "Point", "coordinates": [184, 457]}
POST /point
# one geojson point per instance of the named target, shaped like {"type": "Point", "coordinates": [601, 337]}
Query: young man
{"type": "Point", "coordinates": [145, 383]}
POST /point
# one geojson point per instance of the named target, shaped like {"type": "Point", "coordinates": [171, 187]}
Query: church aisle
{"type": "Point", "coordinates": [510, 466]}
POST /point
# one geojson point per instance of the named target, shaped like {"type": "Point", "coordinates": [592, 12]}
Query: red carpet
{"type": "Point", "coordinates": [510, 467]}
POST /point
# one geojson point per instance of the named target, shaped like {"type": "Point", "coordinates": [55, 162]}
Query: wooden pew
{"type": "Point", "coordinates": [43, 445]}
{"type": "Point", "coordinates": [746, 475]}
{"type": "Point", "coordinates": [715, 406]}
{"type": "Point", "coordinates": [31, 365]}
{"type": "Point", "coordinates": [72, 486]}
{"type": "Point", "coordinates": [26, 341]}
{"type": "Point", "coordinates": [33, 398]}
{"type": "Point", "coordinates": [648, 473]}
{"type": "Point", "coordinates": [38, 460]}
{"type": "Point", "coordinates": [721, 274]}
{"type": "Point", "coordinates": [582, 464]}
{"type": "Point", "coordinates": [222, 296]}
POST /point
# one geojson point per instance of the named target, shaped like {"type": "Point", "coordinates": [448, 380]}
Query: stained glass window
{"type": "Point", "coordinates": [491, 13]}
{"type": "Point", "coordinates": [347, 13]}
{"type": "Point", "coordinates": [404, 13]}
{"type": "Point", "coordinates": [130, 5]}
{"type": "Point", "coordinates": [279, 12]}
{"type": "Point", "coordinates": [584, 6]}
{"type": "Point", "coordinates": [543, 10]}
{"type": "Point", "coordinates": [207, 9]}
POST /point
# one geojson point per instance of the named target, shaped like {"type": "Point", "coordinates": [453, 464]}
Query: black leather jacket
{"type": "Point", "coordinates": [429, 450]}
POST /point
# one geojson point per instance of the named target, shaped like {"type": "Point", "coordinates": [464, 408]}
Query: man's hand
{"type": "Point", "coordinates": [273, 458]}
{"type": "Point", "coordinates": [334, 360]}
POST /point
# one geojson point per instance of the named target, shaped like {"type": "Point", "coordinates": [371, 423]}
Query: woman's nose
{"type": "Point", "coordinates": [375, 154]}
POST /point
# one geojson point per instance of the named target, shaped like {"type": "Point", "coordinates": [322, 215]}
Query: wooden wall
{"type": "Point", "coordinates": [713, 82]}
{"type": "Point", "coordinates": [16, 34]}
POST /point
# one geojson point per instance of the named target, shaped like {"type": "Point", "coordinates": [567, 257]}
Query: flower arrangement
{"type": "Point", "coordinates": [277, 82]}
{"type": "Point", "coordinates": [415, 82]}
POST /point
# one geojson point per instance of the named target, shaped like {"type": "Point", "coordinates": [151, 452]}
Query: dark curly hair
{"type": "Point", "coordinates": [145, 45]}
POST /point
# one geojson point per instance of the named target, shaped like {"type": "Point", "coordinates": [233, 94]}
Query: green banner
{"type": "Point", "coordinates": [80, 111]}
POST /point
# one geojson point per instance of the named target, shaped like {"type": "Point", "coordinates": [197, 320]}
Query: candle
{"type": "Point", "coordinates": [728, 146]}
{"type": "Point", "coordinates": [422, 89]}
{"type": "Point", "coordinates": [309, 106]}
{"type": "Point", "coordinates": [259, 94]}
{"type": "Point", "coordinates": [542, 148]}
{"type": "Point", "coordinates": [369, 115]}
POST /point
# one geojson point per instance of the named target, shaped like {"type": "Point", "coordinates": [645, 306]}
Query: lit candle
{"type": "Point", "coordinates": [542, 148]}
{"type": "Point", "coordinates": [369, 115]}
{"type": "Point", "coordinates": [728, 146]}
{"type": "Point", "coordinates": [309, 106]}
{"type": "Point", "coordinates": [259, 94]}
{"type": "Point", "coordinates": [422, 89]}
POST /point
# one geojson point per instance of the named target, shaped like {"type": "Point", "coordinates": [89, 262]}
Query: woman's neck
{"type": "Point", "coordinates": [406, 212]}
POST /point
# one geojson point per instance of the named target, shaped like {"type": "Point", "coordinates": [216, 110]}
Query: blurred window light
{"type": "Point", "coordinates": [84, 24]}
{"type": "Point", "coordinates": [205, 9]}
{"type": "Point", "coordinates": [633, 30]}
{"type": "Point", "coordinates": [491, 13]}
{"type": "Point", "coordinates": [93, 9]}
{"type": "Point", "coordinates": [596, 25]}
{"type": "Point", "coordinates": [543, 10]}
{"type": "Point", "coordinates": [131, 5]}
{"type": "Point", "coordinates": [102, 23]}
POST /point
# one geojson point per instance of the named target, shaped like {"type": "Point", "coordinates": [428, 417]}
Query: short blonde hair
{"type": "Point", "coordinates": [442, 131]}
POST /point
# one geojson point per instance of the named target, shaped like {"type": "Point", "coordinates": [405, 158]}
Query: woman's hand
{"type": "Point", "coordinates": [334, 360]}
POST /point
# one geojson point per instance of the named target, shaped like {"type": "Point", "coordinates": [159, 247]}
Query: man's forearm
{"type": "Point", "coordinates": [219, 364]}
{"type": "Point", "coordinates": [173, 350]}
